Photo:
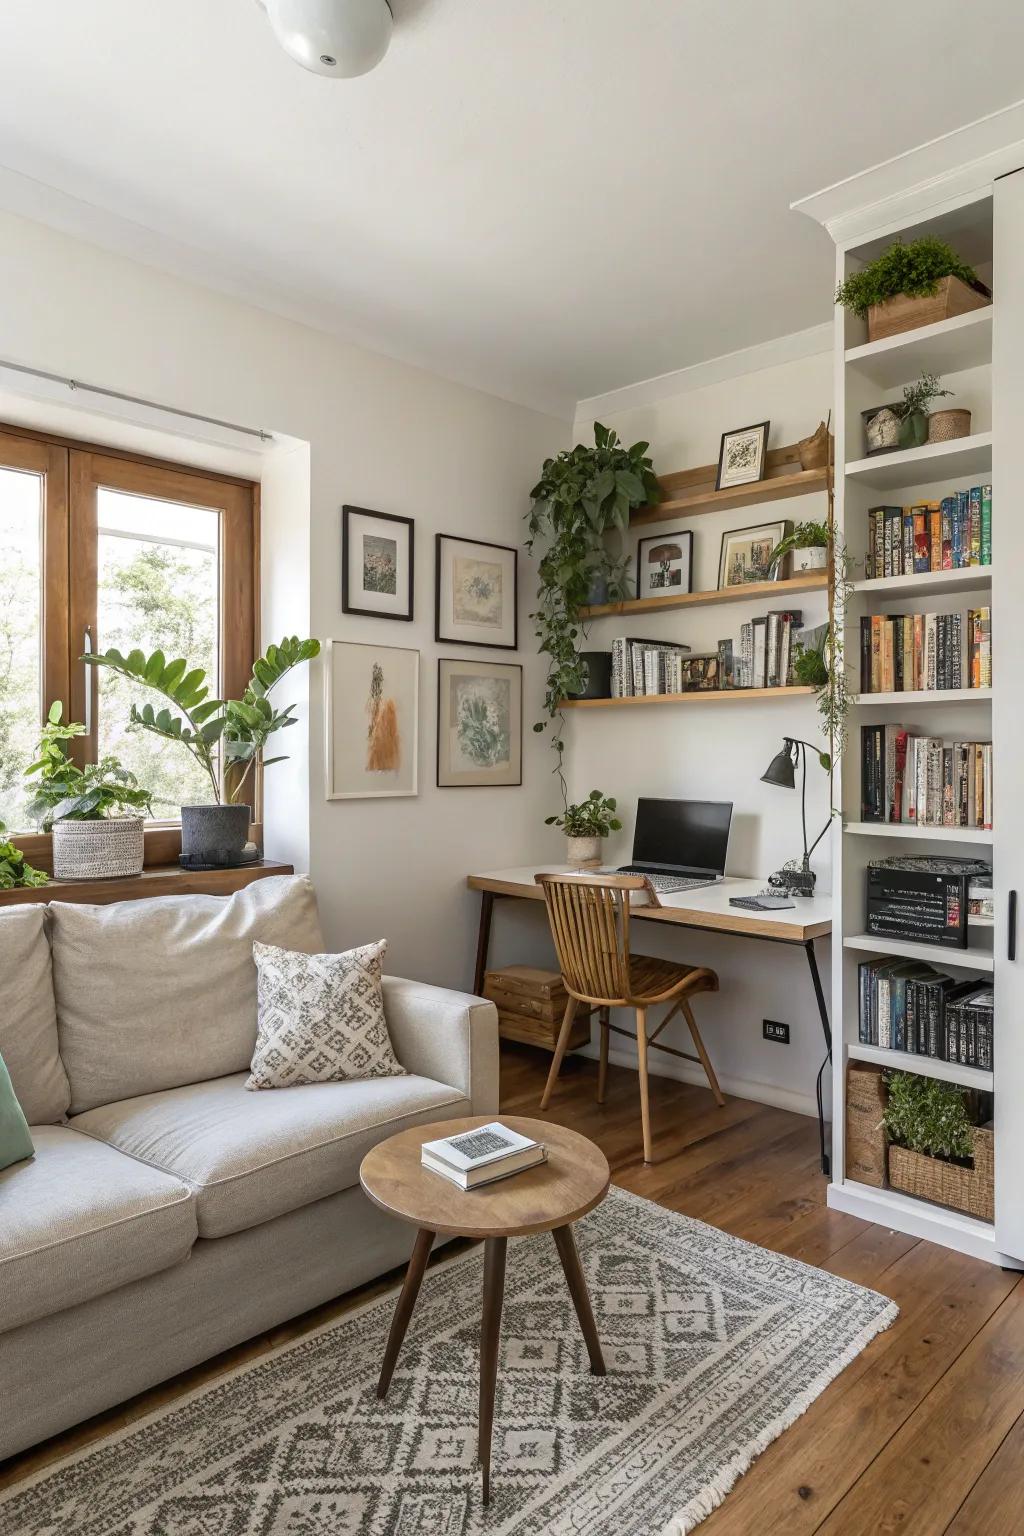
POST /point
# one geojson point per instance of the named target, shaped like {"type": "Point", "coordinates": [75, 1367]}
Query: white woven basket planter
{"type": "Point", "coordinates": [98, 850]}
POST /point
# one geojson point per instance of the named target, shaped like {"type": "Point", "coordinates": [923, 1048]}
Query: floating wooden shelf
{"type": "Point", "coordinates": [691, 492]}
{"type": "Point", "coordinates": [813, 581]}
{"type": "Point", "coordinates": [710, 696]}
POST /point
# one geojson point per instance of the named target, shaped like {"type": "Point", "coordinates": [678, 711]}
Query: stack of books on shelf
{"type": "Point", "coordinates": [923, 780]}
{"type": "Point", "coordinates": [480, 1157]}
{"type": "Point", "coordinates": [766, 653]}
{"type": "Point", "coordinates": [922, 652]}
{"type": "Point", "coordinates": [921, 899]}
{"type": "Point", "coordinates": [644, 667]}
{"type": "Point", "coordinates": [942, 535]}
{"type": "Point", "coordinates": [906, 1006]}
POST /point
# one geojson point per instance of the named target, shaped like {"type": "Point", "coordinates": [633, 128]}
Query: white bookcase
{"type": "Point", "coordinates": [978, 205]}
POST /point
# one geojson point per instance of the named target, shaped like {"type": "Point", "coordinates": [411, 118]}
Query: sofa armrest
{"type": "Point", "coordinates": [451, 1037]}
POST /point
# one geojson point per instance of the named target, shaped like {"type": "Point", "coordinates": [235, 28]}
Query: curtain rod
{"type": "Point", "coordinates": [152, 405]}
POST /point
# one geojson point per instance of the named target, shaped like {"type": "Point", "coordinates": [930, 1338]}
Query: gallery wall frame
{"type": "Point", "coordinates": [378, 558]}
{"type": "Point", "coordinates": [479, 723]}
{"type": "Point", "coordinates": [372, 695]}
{"type": "Point", "coordinates": [476, 593]}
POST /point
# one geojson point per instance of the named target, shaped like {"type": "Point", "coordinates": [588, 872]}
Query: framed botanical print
{"type": "Point", "coordinates": [742, 455]}
{"type": "Point", "coordinates": [664, 564]}
{"type": "Point", "coordinates": [476, 597]}
{"type": "Point", "coordinates": [376, 564]}
{"type": "Point", "coordinates": [372, 720]}
{"type": "Point", "coordinates": [479, 723]}
{"type": "Point", "coordinates": [746, 554]}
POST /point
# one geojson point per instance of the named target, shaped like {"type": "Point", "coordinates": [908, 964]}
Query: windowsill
{"type": "Point", "coordinates": [162, 838]}
{"type": "Point", "coordinates": [157, 880]}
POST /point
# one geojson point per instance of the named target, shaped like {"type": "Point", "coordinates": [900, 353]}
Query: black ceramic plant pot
{"type": "Point", "coordinates": [214, 836]}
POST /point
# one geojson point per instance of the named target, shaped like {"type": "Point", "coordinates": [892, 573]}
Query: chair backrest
{"type": "Point", "coordinates": [589, 917]}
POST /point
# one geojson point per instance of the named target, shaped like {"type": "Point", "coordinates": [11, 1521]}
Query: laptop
{"type": "Point", "coordinates": [680, 844]}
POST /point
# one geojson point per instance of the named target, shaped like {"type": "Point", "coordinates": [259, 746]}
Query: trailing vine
{"type": "Point", "coordinates": [583, 494]}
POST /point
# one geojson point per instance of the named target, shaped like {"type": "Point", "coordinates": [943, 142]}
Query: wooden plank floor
{"type": "Point", "coordinates": [923, 1434]}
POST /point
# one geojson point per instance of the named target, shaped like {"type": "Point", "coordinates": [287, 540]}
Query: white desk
{"type": "Point", "coordinates": [809, 918]}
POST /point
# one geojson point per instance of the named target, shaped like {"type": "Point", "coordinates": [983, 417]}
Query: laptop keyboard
{"type": "Point", "coordinates": [667, 884]}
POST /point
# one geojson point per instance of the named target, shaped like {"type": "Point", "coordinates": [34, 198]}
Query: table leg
{"type": "Point", "coordinates": [404, 1306]}
{"type": "Point", "coordinates": [576, 1281]}
{"type": "Point", "coordinates": [483, 940]}
{"type": "Point", "coordinates": [819, 997]}
{"type": "Point", "coordinates": [490, 1336]}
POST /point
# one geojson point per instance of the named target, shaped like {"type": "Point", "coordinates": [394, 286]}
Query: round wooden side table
{"type": "Point", "coordinates": [547, 1198]}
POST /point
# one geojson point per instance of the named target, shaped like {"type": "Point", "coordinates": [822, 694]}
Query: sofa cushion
{"type": "Point", "coordinates": [152, 994]}
{"type": "Point", "coordinates": [28, 1021]}
{"type": "Point", "coordinates": [15, 1141]}
{"type": "Point", "coordinates": [252, 1156]}
{"type": "Point", "coordinates": [80, 1219]}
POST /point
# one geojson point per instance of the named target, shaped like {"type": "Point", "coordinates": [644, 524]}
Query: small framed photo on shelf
{"type": "Point", "coordinates": [664, 564]}
{"type": "Point", "coordinates": [746, 554]}
{"type": "Point", "coordinates": [476, 598]}
{"type": "Point", "coordinates": [376, 564]}
{"type": "Point", "coordinates": [479, 723]}
{"type": "Point", "coordinates": [741, 458]}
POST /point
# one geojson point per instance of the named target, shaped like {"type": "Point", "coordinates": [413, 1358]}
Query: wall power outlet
{"type": "Point", "coordinates": [771, 1029]}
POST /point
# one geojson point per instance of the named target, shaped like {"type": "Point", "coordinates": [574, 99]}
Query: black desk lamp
{"type": "Point", "coordinates": [782, 772]}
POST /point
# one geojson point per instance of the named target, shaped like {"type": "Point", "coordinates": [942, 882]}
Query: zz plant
{"type": "Point", "coordinates": [241, 728]}
{"type": "Point", "coordinates": [583, 494]}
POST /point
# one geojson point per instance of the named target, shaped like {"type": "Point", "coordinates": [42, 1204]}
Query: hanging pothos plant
{"type": "Point", "coordinates": [582, 495]}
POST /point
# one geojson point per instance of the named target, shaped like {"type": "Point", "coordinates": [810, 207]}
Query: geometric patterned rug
{"type": "Point", "coordinates": [713, 1348]}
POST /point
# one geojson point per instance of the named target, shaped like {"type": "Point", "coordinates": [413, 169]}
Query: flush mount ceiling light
{"type": "Point", "coordinates": [332, 37]}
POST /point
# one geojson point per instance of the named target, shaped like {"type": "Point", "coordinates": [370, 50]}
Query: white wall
{"type": "Point", "coordinates": [379, 434]}
{"type": "Point", "coordinates": [719, 752]}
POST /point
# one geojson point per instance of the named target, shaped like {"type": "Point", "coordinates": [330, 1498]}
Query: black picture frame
{"type": "Point", "coordinates": [757, 426]}
{"type": "Point", "coordinates": [347, 605]}
{"type": "Point", "coordinates": [458, 639]}
{"type": "Point", "coordinates": [455, 661]}
{"type": "Point", "coordinates": [685, 536]}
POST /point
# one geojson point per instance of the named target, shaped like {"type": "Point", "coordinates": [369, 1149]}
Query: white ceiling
{"type": "Point", "coordinates": [544, 198]}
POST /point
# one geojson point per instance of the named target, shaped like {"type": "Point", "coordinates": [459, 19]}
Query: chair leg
{"type": "Point", "coordinates": [645, 1101]}
{"type": "Point", "coordinates": [602, 1066]}
{"type": "Point", "coordinates": [705, 1059]}
{"type": "Point", "coordinates": [560, 1049]}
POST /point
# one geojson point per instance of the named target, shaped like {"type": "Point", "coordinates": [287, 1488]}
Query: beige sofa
{"type": "Point", "coordinates": [169, 1212]}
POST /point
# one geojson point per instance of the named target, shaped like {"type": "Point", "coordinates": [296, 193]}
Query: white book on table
{"type": "Point", "coordinates": [489, 1152]}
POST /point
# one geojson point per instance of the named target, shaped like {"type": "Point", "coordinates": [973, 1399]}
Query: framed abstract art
{"type": "Point", "coordinates": [372, 720]}
{"type": "Point", "coordinates": [376, 564]}
{"type": "Point", "coordinates": [475, 595]}
{"type": "Point", "coordinates": [742, 455]}
{"type": "Point", "coordinates": [664, 564]}
{"type": "Point", "coordinates": [479, 723]}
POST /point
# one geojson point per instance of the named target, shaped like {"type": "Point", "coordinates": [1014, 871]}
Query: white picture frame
{"type": "Point", "coordinates": [372, 721]}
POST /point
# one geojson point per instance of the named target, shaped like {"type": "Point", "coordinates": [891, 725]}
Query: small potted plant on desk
{"type": "Point", "coordinates": [96, 814]}
{"type": "Point", "coordinates": [808, 544]}
{"type": "Point", "coordinates": [585, 825]}
{"type": "Point", "coordinates": [235, 731]}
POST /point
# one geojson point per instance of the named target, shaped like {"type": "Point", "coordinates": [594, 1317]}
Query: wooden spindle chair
{"type": "Point", "coordinates": [589, 917]}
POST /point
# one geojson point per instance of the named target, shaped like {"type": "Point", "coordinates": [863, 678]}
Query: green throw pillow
{"type": "Point", "coordinates": [15, 1141]}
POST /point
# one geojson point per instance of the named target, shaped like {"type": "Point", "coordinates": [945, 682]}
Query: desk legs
{"type": "Point", "coordinates": [483, 941]}
{"type": "Point", "coordinates": [819, 997]}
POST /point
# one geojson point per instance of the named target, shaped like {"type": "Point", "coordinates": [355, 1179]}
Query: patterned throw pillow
{"type": "Point", "coordinates": [320, 1018]}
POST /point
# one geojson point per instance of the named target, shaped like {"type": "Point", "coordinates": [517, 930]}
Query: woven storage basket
{"type": "Point", "coordinates": [943, 426]}
{"type": "Point", "coordinates": [865, 1133]}
{"type": "Point", "coordinates": [964, 1189]}
{"type": "Point", "coordinates": [98, 850]}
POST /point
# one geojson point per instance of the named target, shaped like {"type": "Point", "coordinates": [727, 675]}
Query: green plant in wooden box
{"type": "Point", "coordinates": [910, 285]}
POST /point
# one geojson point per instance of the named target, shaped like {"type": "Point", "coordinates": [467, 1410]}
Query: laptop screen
{"type": "Point", "coordinates": [683, 834]}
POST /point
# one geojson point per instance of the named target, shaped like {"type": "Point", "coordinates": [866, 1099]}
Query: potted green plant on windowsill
{"type": "Point", "coordinates": [227, 738]}
{"type": "Point", "coordinates": [808, 544]}
{"type": "Point", "coordinates": [16, 873]}
{"type": "Point", "coordinates": [912, 285]}
{"type": "Point", "coordinates": [585, 825]}
{"type": "Point", "coordinates": [96, 813]}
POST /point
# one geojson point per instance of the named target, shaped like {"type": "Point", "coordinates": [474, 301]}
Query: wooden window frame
{"type": "Point", "coordinates": [72, 473]}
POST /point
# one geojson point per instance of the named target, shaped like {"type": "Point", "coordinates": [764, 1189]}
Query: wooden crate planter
{"type": "Point", "coordinates": [531, 1004]}
{"type": "Point", "coordinates": [963, 1189]}
{"type": "Point", "coordinates": [907, 313]}
{"type": "Point", "coordinates": [865, 1133]}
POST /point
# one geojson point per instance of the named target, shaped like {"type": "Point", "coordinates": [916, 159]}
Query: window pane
{"type": "Point", "coordinates": [157, 589]}
{"type": "Point", "coordinates": [21, 505]}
